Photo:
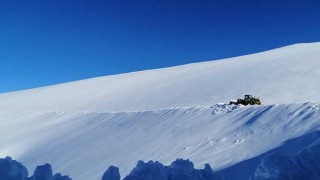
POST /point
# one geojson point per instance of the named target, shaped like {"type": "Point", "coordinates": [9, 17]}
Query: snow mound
{"type": "Point", "coordinates": [223, 108]}
{"type": "Point", "coordinates": [112, 173]}
{"type": "Point", "coordinates": [305, 165]}
{"type": "Point", "coordinates": [44, 172]}
{"type": "Point", "coordinates": [178, 170]}
{"type": "Point", "coordinates": [12, 170]}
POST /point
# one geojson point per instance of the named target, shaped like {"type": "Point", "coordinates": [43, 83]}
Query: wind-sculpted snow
{"type": "Point", "coordinates": [91, 141]}
{"type": "Point", "coordinates": [13, 170]}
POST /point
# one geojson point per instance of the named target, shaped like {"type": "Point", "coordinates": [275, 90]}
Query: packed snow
{"type": "Point", "coordinates": [83, 127]}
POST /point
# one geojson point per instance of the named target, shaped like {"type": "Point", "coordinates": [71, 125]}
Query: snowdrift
{"type": "Point", "coordinates": [83, 144]}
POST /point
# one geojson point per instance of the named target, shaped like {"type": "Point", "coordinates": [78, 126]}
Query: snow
{"type": "Point", "coordinates": [223, 108]}
{"type": "Point", "coordinates": [13, 170]}
{"type": "Point", "coordinates": [112, 173]}
{"type": "Point", "coordinates": [179, 169]}
{"type": "Point", "coordinates": [83, 127]}
{"type": "Point", "coordinates": [278, 76]}
{"type": "Point", "coordinates": [304, 165]}
{"type": "Point", "coordinates": [44, 172]}
{"type": "Point", "coordinates": [84, 144]}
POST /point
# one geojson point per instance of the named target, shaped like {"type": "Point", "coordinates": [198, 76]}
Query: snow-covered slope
{"type": "Point", "coordinates": [83, 127]}
{"type": "Point", "coordinates": [285, 75]}
{"type": "Point", "coordinates": [84, 144]}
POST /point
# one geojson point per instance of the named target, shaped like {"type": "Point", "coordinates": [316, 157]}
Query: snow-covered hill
{"type": "Point", "coordinates": [83, 127]}
{"type": "Point", "coordinates": [286, 75]}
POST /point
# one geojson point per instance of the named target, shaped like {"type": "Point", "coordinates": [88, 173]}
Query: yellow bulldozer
{"type": "Point", "coordinates": [248, 100]}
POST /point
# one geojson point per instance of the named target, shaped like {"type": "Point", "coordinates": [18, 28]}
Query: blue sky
{"type": "Point", "coordinates": [55, 41]}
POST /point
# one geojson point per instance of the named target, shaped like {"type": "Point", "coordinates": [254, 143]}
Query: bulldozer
{"type": "Point", "coordinates": [248, 100]}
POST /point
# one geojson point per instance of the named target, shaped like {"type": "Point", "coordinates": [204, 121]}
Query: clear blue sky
{"type": "Point", "coordinates": [45, 42]}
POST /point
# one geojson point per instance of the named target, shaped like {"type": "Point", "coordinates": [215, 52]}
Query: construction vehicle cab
{"type": "Point", "coordinates": [247, 97]}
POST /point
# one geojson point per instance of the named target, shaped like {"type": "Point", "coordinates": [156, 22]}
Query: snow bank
{"type": "Point", "coordinates": [44, 172]}
{"type": "Point", "coordinates": [13, 170]}
{"type": "Point", "coordinates": [305, 165]}
{"type": "Point", "coordinates": [111, 174]}
{"type": "Point", "coordinates": [179, 169]}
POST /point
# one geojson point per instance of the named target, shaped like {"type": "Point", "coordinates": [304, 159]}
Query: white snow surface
{"type": "Point", "coordinates": [83, 127]}
{"type": "Point", "coordinates": [286, 75]}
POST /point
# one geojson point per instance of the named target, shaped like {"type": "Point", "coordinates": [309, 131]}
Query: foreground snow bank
{"type": "Point", "coordinates": [179, 169]}
{"type": "Point", "coordinates": [13, 170]}
{"type": "Point", "coordinates": [227, 141]}
{"type": "Point", "coordinates": [45, 173]}
{"type": "Point", "coordinates": [305, 165]}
